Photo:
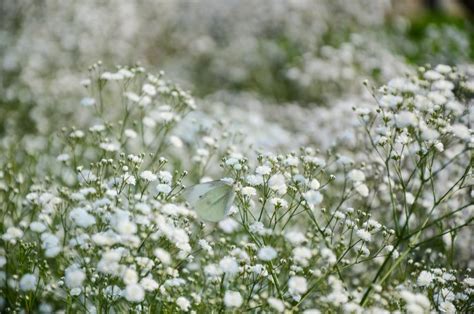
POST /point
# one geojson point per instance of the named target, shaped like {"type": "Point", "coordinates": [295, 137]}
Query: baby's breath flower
{"type": "Point", "coordinates": [74, 277]}
{"type": "Point", "coordinates": [28, 282]}
{"type": "Point", "coordinates": [183, 304]}
{"type": "Point", "coordinates": [148, 176]}
{"type": "Point", "coordinates": [134, 293]}
{"type": "Point", "coordinates": [297, 285]}
{"type": "Point", "coordinates": [364, 235]}
{"type": "Point", "coordinates": [267, 253]}
{"type": "Point", "coordinates": [276, 304]}
{"type": "Point", "coordinates": [232, 299]}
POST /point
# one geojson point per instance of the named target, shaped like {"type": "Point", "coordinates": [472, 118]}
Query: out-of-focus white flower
{"type": "Point", "coordinates": [277, 183]}
{"type": "Point", "coordinates": [276, 304]}
{"type": "Point", "coordinates": [148, 176]}
{"type": "Point", "coordinates": [134, 293]}
{"type": "Point", "coordinates": [37, 226]}
{"type": "Point", "coordinates": [248, 191]}
{"type": "Point", "coordinates": [297, 285]}
{"type": "Point", "coordinates": [424, 278]}
{"type": "Point", "coordinates": [183, 304]}
{"type": "Point", "coordinates": [263, 170]}
{"type": "Point", "coordinates": [267, 253]}
{"type": "Point", "coordinates": [364, 235]}
{"type": "Point", "coordinates": [295, 237]}
{"type": "Point", "coordinates": [28, 282]}
{"type": "Point", "coordinates": [12, 233]}
{"type": "Point", "coordinates": [229, 265]}
{"type": "Point", "coordinates": [82, 218]}
{"type": "Point", "coordinates": [163, 188]}
{"type": "Point", "coordinates": [162, 255]}
{"type": "Point", "coordinates": [232, 299]}
{"type": "Point", "coordinates": [149, 284]}
{"type": "Point", "coordinates": [313, 198]}
{"type": "Point", "coordinates": [130, 276]}
{"type": "Point", "coordinates": [228, 225]}
{"type": "Point", "coordinates": [74, 277]}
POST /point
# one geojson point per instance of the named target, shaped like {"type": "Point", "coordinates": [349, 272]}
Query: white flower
{"type": "Point", "coordinates": [276, 304]}
{"type": "Point", "coordinates": [279, 202]}
{"type": "Point", "coordinates": [212, 270]}
{"type": "Point", "coordinates": [229, 265]}
{"type": "Point", "coordinates": [297, 285]}
{"type": "Point", "coordinates": [228, 225]}
{"type": "Point", "coordinates": [82, 218]}
{"type": "Point", "coordinates": [232, 299]}
{"type": "Point", "coordinates": [148, 176]}
{"type": "Point", "coordinates": [110, 147]}
{"type": "Point", "coordinates": [254, 180]}
{"type": "Point", "coordinates": [314, 184]}
{"type": "Point", "coordinates": [432, 75]}
{"type": "Point", "coordinates": [362, 189]}
{"type": "Point", "coordinates": [50, 244]}
{"type": "Point", "coordinates": [129, 179]}
{"type": "Point", "coordinates": [165, 177]}
{"type": "Point", "coordinates": [405, 119]}
{"type": "Point", "coordinates": [37, 226]}
{"type": "Point", "coordinates": [390, 101]}
{"type": "Point", "coordinates": [313, 198]}
{"type": "Point", "coordinates": [149, 89]}
{"type": "Point", "coordinates": [461, 131]}
{"type": "Point", "coordinates": [267, 253]}
{"type": "Point", "coordinates": [356, 175]}
{"type": "Point", "coordinates": [443, 68]}
{"type": "Point", "coordinates": [130, 133]}
{"type": "Point", "coordinates": [134, 293]}
{"type": "Point", "coordinates": [263, 170]}
{"type": "Point", "coordinates": [126, 227]}
{"type": "Point", "coordinates": [248, 191]}
{"type": "Point", "coordinates": [258, 228]}
{"type": "Point", "coordinates": [301, 255]}
{"type": "Point", "coordinates": [447, 307]}
{"type": "Point", "coordinates": [74, 277]}
{"type": "Point", "coordinates": [12, 233]}
{"type": "Point", "coordinates": [292, 161]}
{"type": "Point", "coordinates": [439, 147]}
{"type": "Point", "coordinates": [75, 291]}
{"type": "Point", "coordinates": [277, 183]}
{"type": "Point", "coordinates": [149, 284]}
{"type": "Point", "coordinates": [132, 96]}
{"type": "Point", "coordinates": [162, 255]}
{"type": "Point", "coordinates": [28, 282]}
{"type": "Point", "coordinates": [295, 237]}
{"type": "Point", "coordinates": [163, 188]}
{"type": "Point", "coordinates": [469, 281]}
{"type": "Point", "coordinates": [424, 278]}
{"type": "Point", "coordinates": [183, 304]}
{"type": "Point", "coordinates": [328, 256]}
{"type": "Point", "coordinates": [130, 276]}
{"type": "Point", "coordinates": [364, 235]}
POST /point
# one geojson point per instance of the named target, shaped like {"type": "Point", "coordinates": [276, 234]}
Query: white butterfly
{"type": "Point", "coordinates": [211, 200]}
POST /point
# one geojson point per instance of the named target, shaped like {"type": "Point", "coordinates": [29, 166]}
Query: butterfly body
{"type": "Point", "coordinates": [211, 200]}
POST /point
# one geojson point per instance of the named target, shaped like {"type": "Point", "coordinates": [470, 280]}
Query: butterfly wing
{"type": "Point", "coordinates": [211, 200]}
{"type": "Point", "coordinates": [195, 192]}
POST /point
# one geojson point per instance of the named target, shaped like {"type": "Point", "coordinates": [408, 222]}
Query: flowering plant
{"type": "Point", "coordinates": [97, 221]}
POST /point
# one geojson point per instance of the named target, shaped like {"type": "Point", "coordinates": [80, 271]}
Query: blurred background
{"type": "Point", "coordinates": [307, 57]}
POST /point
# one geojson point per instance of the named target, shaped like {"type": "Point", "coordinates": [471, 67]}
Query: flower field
{"type": "Point", "coordinates": [236, 156]}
